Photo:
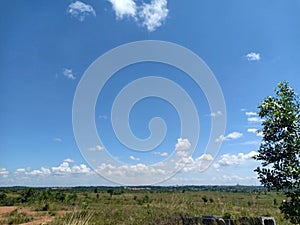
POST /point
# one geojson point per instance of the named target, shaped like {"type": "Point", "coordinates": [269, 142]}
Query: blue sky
{"type": "Point", "coordinates": [46, 47]}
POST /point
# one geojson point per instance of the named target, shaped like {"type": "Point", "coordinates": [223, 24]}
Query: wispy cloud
{"type": "Point", "coordinates": [253, 56]}
{"type": "Point", "coordinates": [215, 114]}
{"type": "Point", "coordinates": [254, 142]}
{"type": "Point", "coordinates": [3, 172]}
{"type": "Point", "coordinates": [134, 158]}
{"type": "Point", "coordinates": [80, 10]}
{"type": "Point", "coordinates": [254, 119]}
{"type": "Point", "coordinates": [57, 139]}
{"type": "Point", "coordinates": [96, 148]}
{"type": "Point", "coordinates": [150, 15]}
{"type": "Point", "coordinates": [161, 153]}
{"type": "Point", "coordinates": [104, 117]}
{"type": "Point", "coordinates": [251, 113]}
{"type": "Point", "coordinates": [255, 131]}
{"type": "Point", "coordinates": [231, 136]}
{"type": "Point", "coordinates": [69, 74]}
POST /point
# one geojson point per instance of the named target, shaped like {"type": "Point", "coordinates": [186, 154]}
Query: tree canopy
{"type": "Point", "coordinates": [280, 147]}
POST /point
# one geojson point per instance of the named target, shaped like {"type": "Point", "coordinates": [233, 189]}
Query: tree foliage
{"type": "Point", "coordinates": [280, 147]}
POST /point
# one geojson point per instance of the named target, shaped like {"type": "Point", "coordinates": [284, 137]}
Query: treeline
{"type": "Point", "coordinates": [39, 196]}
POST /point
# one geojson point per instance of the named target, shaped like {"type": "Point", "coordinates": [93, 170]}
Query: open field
{"type": "Point", "coordinates": [149, 205]}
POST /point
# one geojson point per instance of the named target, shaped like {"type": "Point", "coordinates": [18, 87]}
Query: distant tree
{"type": "Point", "coordinates": [110, 192]}
{"type": "Point", "coordinates": [280, 148]}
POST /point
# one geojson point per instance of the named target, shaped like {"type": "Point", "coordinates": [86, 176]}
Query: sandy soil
{"type": "Point", "coordinates": [38, 218]}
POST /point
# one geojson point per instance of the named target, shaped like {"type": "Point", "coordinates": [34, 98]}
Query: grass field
{"type": "Point", "coordinates": [104, 205]}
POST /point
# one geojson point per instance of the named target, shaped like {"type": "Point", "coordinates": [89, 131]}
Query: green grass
{"type": "Point", "coordinates": [160, 207]}
{"type": "Point", "coordinates": [154, 208]}
{"type": "Point", "coordinates": [16, 217]}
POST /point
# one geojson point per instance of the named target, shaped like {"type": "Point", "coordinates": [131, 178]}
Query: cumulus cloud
{"type": "Point", "coordinates": [124, 8]}
{"type": "Point", "coordinates": [80, 10]}
{"type": "Point", "coordinates": [27, 171]}
{"type": "Point", "coordinates": [197, 164]}
{"type": "Point", "coordinates": [231, 136]}
{"type": "Point", "coordinates": [68, 160]}
{"type": "Point", "coordinates": [65, 169]}
{"type": "Point", "coordinates": [81, 169]}
{"type": "Point", "coordinates": [154, 14]}
{"type": "Point", "coordinates": [69, 74]}
{"type": "Point", "coordinates": [182, 144]}
{"type": "Point", "coordinates": [150, 15]}
{"type": "Point", "coordinates": [231, 159]}
{"type": "Point", "coordinates": [42, 172]}
{"type": "Point", "coordinates": [62, 169]}
{"type": "Point", "coordinates": [253, 56]}
{"type": "Point", "coordinates": [3, 172]}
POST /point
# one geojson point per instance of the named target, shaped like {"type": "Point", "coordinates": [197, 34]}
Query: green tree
{"type": "Point", "coordinates": [280, 148]}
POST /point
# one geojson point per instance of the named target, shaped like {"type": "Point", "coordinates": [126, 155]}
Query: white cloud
{"type": "Point", "coordinates": [230, 160]}
{"type": "Point", "coordinates": [3, 172]}
{"type": "Point", "coordinates": [255, 131]}
{"type": "Point", "coordinates": [96, 148]}
{"type": "Point", "coordinates": [62, 169]}
{"type": "Point", "coordinates": [81, 169]}
{"type": "Point", "coordinates": [197, 164]}
{"type": "Point", "coordinates": [161, 153]}
{"type": "Point", "coordinates": [151, 15]}
{"type": "Point", "coordinates": [231, 136]}
{"type": "Point", "coordinates": [254, 119]}
{"type": "Point", "coordinates": [215, 114]}
{"type": "Point", "coordinates": [252, 130]}
{"type": "Point", "coordinates": [20, 170]}
{"type": "Point", "coordinates": [69, 74]}
{"type": "Point", "coordinates": [154, 14]}
{"type": "Point", "coordinates": [134, 158]}
{"type": "Point", "coordinates": [80, 10]}
{"type": "Point", "coordinates": [251, 113]}
{"type": "Point", "coordinates": [129, 171]}
{"type": "Point", "coordinates": [182, 144]}
{"type": "Point", "coordinates": [68, 160]}
{"type": "Point", "coordinates": [42, 172]}
{"type": "Point", "coordinates": [57, 139]}
{"type": "Point", "coordinates": [27, 171]}
{"type": "Point", "coordinates": [252, 56]}
{"type": "Point", "coordinates": [124, 8]}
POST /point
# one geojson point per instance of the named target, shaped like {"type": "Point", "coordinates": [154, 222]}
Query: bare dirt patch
{"type": "Point", "coordinates": [6, 209]}
{"type": "Point", "coordinates": [38, 217]}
